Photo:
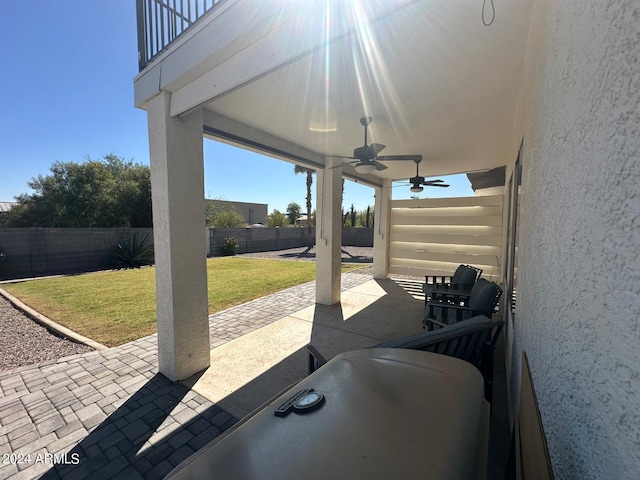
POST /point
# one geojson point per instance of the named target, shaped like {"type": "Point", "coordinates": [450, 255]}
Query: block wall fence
{"type": "Point", "coordinates": [38, 252]}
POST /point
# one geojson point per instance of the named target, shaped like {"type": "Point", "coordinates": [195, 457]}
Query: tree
{"type": "Point", "coordinates": [277, 219]}
{"type": "Point", "coordinates": [110, 192]}
{"type": "Point", "coordinates": [358, 218]}
{"type": "Point", "coordinates": [293, 212]}
{"type": "Point", "coordinates": [309, 173]}
{"type": "Point", "coordinates": [229, 219]}
{"type": "Point", "coordinates": [222, 214]}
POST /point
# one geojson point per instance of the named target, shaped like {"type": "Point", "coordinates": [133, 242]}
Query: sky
{"type": "Point", "coordinates": [66, 73]}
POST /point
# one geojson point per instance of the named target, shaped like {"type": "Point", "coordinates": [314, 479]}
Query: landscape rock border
{"type": "Point", "coordinates": [50, 324]}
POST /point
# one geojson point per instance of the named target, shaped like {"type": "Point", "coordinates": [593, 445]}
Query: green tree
{"type": "Point", "coordinates": [229, 219]}
{"type": "Point", "coordinates": [293, 212]}
{"type": "Point", "coordinates": [110, 192]}
{"type": "Point", "coordinates": [309, 175]}
{"type": "Point", "coordinates": [222, 214]}
{"type": "Point", "coordinates": [277, 219]}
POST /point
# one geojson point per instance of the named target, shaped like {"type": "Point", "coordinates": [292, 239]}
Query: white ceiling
{"type": "Point", "coordinates": [435, 80]}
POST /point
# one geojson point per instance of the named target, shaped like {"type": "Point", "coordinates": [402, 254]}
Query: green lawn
{"type": "Point", "coordinates": [116, 307]}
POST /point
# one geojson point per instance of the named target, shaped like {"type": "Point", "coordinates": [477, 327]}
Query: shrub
{"type": "Point", "coordinates": [277, 219]}
{"type": "Point", "coordinates": [133, 252]}
{"type": "Point", "coordinates": [230, 247]}
{"type": "Point", "coordinates": [3, 259]}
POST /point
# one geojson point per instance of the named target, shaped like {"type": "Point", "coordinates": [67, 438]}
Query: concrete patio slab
{"type": "Point", "coordinates": [246, 372]}
{"type": "Point", "coordinates": [236, 364]}
{"type": "Point", "coordinates": [378, 309]}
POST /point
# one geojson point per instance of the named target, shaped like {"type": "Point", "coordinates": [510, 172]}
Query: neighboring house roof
{"type": "Point", "coordinates": [6, 206]}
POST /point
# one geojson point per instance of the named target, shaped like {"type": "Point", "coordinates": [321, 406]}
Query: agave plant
{"type": "Point", "coordinates": [133, 252]}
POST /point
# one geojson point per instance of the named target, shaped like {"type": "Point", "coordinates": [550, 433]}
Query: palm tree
{"type": "Point", "coordinates": [309, 172]}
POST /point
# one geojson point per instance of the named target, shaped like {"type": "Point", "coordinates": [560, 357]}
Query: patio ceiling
{"type": "Point", "coordinates": [435, 80]}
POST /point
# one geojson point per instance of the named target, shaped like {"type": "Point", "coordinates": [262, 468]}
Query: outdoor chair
{"type": "Point", "coordinates": [462, 281]}
{"type": "Point", "coordinates": [471, 340]}
{"type": "Point", "coordinates": [483, 298]}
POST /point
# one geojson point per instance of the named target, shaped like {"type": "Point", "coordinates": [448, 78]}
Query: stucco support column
{"type": "Point", "coordinates": [177, 182]}
{"type": "Point", "coordinates": [381, 230]}
{"type": "Point", "coordinates": [328, 232]}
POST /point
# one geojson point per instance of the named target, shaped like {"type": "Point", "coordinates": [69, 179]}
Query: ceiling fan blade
{"type": "Point", "coordinates": [413, 158]}
{"type": "Point", "coordinates": [345, 163]}
{"type": "Point", "coordinates": [443, 185]}
{"type": "Point", "coordinates": [379, 166]}
{"type": "Point", "coordinates": [360, 152]}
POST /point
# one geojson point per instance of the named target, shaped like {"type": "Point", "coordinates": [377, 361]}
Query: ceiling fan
{"type": "Point", "coordinates": [417, 183]}
{"type": "Point", "coordinates": [366, 157]}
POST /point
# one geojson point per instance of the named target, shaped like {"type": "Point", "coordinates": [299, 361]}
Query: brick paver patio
{"type": "Point", "coordinates": [109, 414]}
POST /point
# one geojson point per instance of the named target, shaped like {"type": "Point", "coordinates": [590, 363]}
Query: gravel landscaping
{"type": "Point", "coordinates": [25, 342]}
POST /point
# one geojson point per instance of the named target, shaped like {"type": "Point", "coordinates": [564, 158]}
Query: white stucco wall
{"type": "Point", "coordinates": [579, 273]}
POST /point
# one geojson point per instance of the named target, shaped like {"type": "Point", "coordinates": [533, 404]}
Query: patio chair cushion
{"type": "Point", "coordinates": [460, 271]}
{"type": "Point", "coordinates": [466, 278]}
{"type": "Point", "coordinates": [483, 295]}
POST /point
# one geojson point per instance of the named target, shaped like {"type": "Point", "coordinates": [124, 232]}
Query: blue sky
{"type": "Point", "coordinates": [67, 72]}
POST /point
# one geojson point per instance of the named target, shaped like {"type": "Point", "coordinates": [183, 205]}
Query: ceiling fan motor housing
{"type": "Point", "coordinates": [362, 154]}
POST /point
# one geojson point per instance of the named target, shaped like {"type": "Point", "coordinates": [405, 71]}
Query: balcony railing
{"type": "Point", "coordinates": [160, 22]}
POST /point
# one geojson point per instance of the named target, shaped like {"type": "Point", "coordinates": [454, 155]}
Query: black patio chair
{"type": "Point", "coordinates": [471, 340]}
{"type": "Point", "coordinates": [462, 281]}
{"type": "Point", "coordinates": [442, 311]}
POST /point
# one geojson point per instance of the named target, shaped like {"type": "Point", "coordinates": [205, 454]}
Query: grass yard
{"type": "Point", "coordinates": [116, 307]}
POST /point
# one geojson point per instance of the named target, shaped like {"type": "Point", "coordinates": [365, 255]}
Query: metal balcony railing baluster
{"type": "Point", "coordinates": [160, 22]}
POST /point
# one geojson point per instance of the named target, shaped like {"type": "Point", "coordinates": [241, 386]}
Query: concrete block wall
{"type": "Point", "coordinates": [268, 239]}
{"type": "Point", "coordinates": [252, 240]}
{"type": "Point", "coordinates": [36, 252]}
{"type": "Point", "coordinates": [357, 237]}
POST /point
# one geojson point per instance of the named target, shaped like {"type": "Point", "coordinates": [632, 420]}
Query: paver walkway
{"type": "Point", "coordinates": [109, 414]}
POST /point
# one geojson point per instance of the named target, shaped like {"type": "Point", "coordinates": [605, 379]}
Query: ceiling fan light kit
{"type": "Point", "coordinates": [365, 168]}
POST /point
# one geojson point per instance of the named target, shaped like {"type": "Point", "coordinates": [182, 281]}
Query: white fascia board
{"type": "Point", "coordinates": [146, 85]}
